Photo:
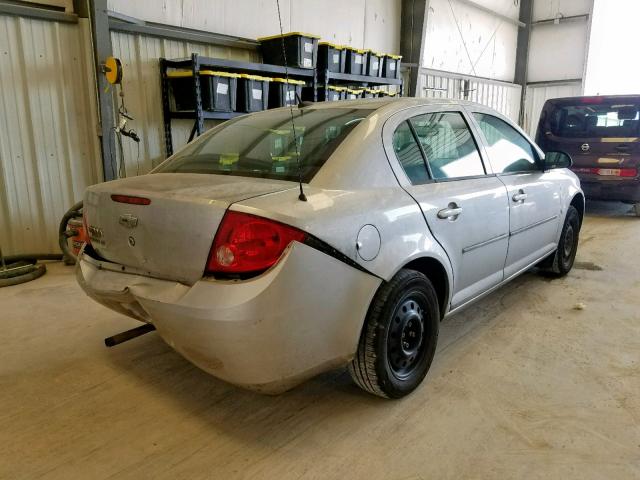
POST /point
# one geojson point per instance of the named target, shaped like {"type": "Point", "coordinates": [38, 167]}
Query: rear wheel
{"type": "Point", "coordinates": [399, 337]}
{"type": "Point", "coordinates": [562, 260]}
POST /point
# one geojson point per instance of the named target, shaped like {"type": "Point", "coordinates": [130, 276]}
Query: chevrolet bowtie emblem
{"type": "Point", "coordinates": [128, 220]}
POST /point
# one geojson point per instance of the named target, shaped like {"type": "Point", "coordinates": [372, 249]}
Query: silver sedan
{"type": "Point", "coordinates": [282, 244]}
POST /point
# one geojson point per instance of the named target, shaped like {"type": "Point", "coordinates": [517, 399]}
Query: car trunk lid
{"type": "Point", "coordinates": [170, 235]}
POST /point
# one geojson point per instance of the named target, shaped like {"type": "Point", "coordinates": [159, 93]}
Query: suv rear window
{"type": "Point", "coordinates": [589, 120]}
{"type": "Point", "coordinates": [262, 145]}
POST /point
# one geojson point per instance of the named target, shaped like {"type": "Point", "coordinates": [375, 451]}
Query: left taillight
{"type": "Point", "coordinates": [247, 243]}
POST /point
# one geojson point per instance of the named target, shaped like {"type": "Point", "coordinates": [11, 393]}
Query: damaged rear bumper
{"type": "Point", "coordinates": [301, 317]}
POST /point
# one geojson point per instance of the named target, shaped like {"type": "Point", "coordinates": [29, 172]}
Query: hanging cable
{"type": "Point", "coordinates": [301, 196]}
{"type": "Point", "coordinates": [120, 131]}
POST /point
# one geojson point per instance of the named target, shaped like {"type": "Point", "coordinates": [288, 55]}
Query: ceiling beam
{"type": "Point", "coordinates": [126, 24]}
{"type": "Point", "coordinates": [39, 13]}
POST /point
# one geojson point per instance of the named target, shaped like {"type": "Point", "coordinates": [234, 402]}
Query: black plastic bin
{"type": "Point", "coordinates": [386, 93]}
{"type": "Point", "coordinates": [283, 92]}
{"type": "Point", "coordinates": [332, 57]}
{"type": "Point", "coordinates": [217, 90]}
{"type": "Point", "coordinates": [301, 49]}
{"type": "Point", "coordinates": [353, 94]}
{"type": "Point", "coordinates": [374, 61]}
{"type": "Point", "coordinates": [370, 93]}
{"type": "Point", "coordinates": [355, 61]}
{"type": "Point", "coordinates": [391, 68]}
{"type": "Point", "coordinates": [331, 93]}
{"type": "Point", "coordinates": [253, 93]}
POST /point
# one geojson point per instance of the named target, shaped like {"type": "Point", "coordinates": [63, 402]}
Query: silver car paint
{"type": "Point", "coordinates": [476, 240]}
{"type": "Point", "coordinates": [361, 184]}
{"type": "Point", "coordinates": [268, 333]}
{"type": "Point", "coordinates": [173, 234]}
{"type": "Point", "coordinates": [535, 221]}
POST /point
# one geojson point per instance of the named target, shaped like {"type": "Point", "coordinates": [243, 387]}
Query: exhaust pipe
{"type": "Point", "coordinates": [128, 335]}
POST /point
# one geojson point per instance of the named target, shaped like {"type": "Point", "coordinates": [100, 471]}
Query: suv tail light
{"type": "Point", "coordinates": [249, 244]}
{"type": "Point", "coordinates": [608, 172]}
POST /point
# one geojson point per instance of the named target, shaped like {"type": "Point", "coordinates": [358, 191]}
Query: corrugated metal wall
{"type": "Point", "coordinates": [48, 144]}
{"type": "Point", "coordinates": [538, 94]}
{"type": "Point", "coordinates": [503, 97]}
{"type": "Point", "coordinates": [142, 94]}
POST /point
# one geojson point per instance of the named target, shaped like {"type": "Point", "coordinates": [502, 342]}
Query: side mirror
{"type": "Point", "coordinates": [557, 160]}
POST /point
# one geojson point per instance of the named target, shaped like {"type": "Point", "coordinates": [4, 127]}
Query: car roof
{"type": "Point", "coordinates": [391, 104]}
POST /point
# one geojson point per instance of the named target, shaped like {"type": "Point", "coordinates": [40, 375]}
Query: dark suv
{"type": "Point", "coordinates": [602, 135]}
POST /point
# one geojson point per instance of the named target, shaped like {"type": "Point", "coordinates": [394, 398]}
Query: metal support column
{"type": "Point", "coordinates": [522, 52]}
{"type": "Point", "coordinates": [102, 49]}
{"type": "Point", "coordinates": [413, 24]}
{"type": "Point", "coordinates": [197, 95]}
{"type": "Point", "coordinates": [166, 108]}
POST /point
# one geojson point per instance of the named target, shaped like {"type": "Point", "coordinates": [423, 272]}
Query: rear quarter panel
{"type": "Point", "coordinates": [336, 217]}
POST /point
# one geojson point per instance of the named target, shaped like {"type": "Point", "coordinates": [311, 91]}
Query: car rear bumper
{"type": "Point", "coordinates": [626, 190]}
{"type": "Point", "coordinates": [300, 318]}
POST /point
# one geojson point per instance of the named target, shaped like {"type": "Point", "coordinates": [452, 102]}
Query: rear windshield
{"type": "Point", "coordinates": [262, 145]}
{"type": "Point", "coordinates": [611, 119]}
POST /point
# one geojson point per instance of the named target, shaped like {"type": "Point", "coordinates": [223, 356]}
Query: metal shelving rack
{"type": "Point", "coordinates": [195, 63]}
{"type": "Point", "coordinates": [326, 78]}
{"type": "Point", "coordinates": [314, 78]}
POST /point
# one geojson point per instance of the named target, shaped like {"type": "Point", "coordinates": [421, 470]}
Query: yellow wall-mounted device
{"type": "Point", "coordinates": [113, 70]}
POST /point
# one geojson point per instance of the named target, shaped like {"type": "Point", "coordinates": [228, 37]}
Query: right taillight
{"type": "Point", "coordinates": [628, 172]}
{"type": "Point", "coordinates": [247, 243]}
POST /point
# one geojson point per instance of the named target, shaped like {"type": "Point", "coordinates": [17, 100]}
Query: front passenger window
{"type": "Point", "coordinates": [508, 150]}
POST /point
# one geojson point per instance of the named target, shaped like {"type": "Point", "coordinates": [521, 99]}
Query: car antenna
{"type": "Point", "coordinates": [301, 196]}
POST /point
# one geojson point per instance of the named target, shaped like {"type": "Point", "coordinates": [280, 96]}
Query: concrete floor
{"type": "Point", "coordinates": [524, 385]}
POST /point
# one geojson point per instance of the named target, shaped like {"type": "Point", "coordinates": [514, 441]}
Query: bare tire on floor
{"type": "Point", "coordinates": [399, 338]}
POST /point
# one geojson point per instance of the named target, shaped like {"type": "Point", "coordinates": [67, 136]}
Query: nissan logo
{"type": "Point", "coordinates": [585, 147]}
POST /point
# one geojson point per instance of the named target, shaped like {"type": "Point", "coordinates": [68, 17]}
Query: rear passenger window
{"type": "Point", "coordinates": [448, 145]}
{"type": "Point", "coordinates": [508, 150]}
{"type": "Point", "coordinates": [408, 152]}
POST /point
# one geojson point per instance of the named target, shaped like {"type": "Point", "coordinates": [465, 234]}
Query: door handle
{"type": "Point", "coordinates": [519, 197]}
{"type": "Point", "coordinates": [452, 211]}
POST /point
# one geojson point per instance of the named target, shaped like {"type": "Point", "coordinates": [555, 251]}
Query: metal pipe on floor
{"type": "Point", "coordinates": [128, 335]}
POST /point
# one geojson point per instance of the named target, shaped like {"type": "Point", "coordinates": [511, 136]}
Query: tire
{"type": "Point", "coordinates": [388, 364]}
{"type": "Point", "coordinates": [636, 209]}
{"type": "Point", "coordinates": [37, 272]}
{"type": "Point", "coordinates": [562, 260]}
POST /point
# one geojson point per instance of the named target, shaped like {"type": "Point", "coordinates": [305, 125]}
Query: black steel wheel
{"type": "Point", "coordinates": [561, 262]}
{"type": "Point", "coordinates": [405, 341]}
{"type": "Point", "coordinates": [399, 338]}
